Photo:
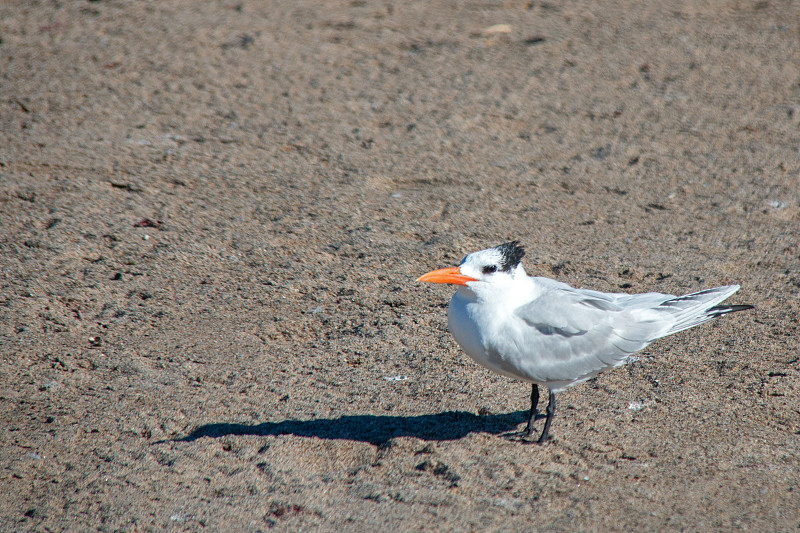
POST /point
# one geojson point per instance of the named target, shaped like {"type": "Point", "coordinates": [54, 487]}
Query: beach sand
{"type": "Point", "coordinates": [212, 215]}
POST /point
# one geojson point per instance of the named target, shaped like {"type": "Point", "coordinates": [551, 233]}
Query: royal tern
{"type": "Point", "coordinates": [547, 333]}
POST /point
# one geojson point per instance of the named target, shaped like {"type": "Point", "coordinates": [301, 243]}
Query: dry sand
{"type": "Point", "coordinates": [212, 215]}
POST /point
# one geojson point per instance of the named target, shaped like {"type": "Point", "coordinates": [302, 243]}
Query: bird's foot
{"type": "Point", "coordinates": [526, 436]}
{"type": "Point", "coordinates": [521, 435]}
{"type": "Point", "coordinates": [543, 439]}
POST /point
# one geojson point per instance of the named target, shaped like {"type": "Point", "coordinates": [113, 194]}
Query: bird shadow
{"type": "Point", "coordinates": [374, 429]}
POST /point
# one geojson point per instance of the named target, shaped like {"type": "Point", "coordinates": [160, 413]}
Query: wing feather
{"type": "Point", "coordinates": [581, 333]}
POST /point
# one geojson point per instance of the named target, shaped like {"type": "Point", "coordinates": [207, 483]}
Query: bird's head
{"type": "Point", "coordinates": [491, 265]}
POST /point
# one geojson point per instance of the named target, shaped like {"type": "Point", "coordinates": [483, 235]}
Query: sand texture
{"type": "Point", "coordinates": [212, 215]}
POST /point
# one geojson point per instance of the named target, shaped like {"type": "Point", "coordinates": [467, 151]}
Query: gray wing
{"type": "Point", "coordinates": [575, 334]}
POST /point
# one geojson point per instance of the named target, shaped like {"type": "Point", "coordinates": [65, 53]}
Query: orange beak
{"type": "Point", "coordinates": [446, 275]}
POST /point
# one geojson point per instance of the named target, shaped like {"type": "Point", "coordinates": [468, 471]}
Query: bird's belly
{"type": "Point", "coordinates": [473, 334]}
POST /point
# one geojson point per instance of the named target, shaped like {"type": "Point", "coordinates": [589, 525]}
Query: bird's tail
{"type": "Point", "coordinates": [693, 309]}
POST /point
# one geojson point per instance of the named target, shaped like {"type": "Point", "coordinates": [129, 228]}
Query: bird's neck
{"type": "Point", "coordinates": [507, 294]}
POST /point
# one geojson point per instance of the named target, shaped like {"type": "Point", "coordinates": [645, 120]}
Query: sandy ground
{"type": "Point", "coordinates": [212, 215]}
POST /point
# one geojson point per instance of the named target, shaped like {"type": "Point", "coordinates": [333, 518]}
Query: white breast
{"type": "Point", "coordinates": [476, 331]}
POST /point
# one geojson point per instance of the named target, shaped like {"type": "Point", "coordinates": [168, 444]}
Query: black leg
{"type": "Point", "coordinates": [532, 418]}
{"type": "Point", "coordinates": [551, 411]}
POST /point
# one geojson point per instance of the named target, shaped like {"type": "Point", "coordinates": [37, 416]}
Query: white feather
{"type": "Point", "coordinates": [546, 332]}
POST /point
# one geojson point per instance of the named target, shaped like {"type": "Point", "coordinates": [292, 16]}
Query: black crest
{"type": "Point", "coordinates": [512, 254]}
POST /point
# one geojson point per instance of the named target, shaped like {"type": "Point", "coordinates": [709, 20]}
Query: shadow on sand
{"type": "Point", "coordinates": [375, 429]}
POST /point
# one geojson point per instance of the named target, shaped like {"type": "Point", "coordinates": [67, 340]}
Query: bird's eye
{"type": "Point", "coordinates": [489, 269]}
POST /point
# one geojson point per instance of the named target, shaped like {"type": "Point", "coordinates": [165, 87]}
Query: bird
{"type": "Point", "coordinates": [547, 333]}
